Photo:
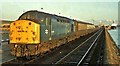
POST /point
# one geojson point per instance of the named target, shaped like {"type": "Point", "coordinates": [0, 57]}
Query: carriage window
{"type": "Point", "coordinates": [40, 17]}
{"type": "Point", "coordinates": [29, 16]}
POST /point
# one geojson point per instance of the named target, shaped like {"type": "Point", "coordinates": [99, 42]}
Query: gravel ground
{"type": "Point", "coordinates": [111, 53]}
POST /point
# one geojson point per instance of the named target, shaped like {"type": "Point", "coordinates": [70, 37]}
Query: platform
{"type": "Point", "coordinates": [5, 52]}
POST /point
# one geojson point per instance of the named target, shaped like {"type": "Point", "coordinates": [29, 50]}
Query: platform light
{"type": "Point", "coordinates": [7, 39]}
{"type": "Point", "coordinates": [42, 20]}
{"type": "Point", "coordinates": [110, 20]}
{"type": "Point", "coordinates": [2, 40]}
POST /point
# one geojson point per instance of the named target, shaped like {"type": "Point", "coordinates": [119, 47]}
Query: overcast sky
{"type": "Point", "coordinates": [86, 10]}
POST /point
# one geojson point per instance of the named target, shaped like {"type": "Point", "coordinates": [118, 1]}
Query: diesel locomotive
{"type": "Point", "coordinates": [36, 32]}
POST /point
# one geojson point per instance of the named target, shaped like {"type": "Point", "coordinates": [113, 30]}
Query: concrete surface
{"type": "Point", "coordinates": [5, 53]}
{"type": "Point", "coordinates": [112, 53]}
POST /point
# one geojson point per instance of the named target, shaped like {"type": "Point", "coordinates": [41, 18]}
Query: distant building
{"type": "Point", "coordinates": [5, 24]}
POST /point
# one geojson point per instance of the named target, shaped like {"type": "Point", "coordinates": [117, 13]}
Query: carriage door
{"type": "Point", "coordinates": [48, 24]}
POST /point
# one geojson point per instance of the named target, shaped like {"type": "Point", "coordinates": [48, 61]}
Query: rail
{"type": "Point", "coordinates": [79, 47]}
{"type": "Point", "coordinates": [88, 50]}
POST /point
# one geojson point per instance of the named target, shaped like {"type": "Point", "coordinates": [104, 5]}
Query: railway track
{"type": "Point", "coordinates": [77, 56]}
{"type": "Point", "coordinates": [81, 55]}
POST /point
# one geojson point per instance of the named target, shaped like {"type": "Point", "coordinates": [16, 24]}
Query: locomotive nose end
{"type": "Point", "coordinates": [25, 32]}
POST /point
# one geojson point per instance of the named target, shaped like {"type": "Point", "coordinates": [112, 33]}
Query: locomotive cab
{"type": "Point", "coordinates": [24, 32]}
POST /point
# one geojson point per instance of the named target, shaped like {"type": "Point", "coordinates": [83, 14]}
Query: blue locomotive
{"type": "Point", "coordinates": [36, 33]}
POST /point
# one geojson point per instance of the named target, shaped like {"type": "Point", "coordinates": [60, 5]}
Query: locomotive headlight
{"type": "Point", "coordinates": [15, 45]}
{"type": "Point", "coordinates": [36, 46]}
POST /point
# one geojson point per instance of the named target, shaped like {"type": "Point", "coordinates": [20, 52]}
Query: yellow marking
{"type": "Point", "coordinates": [25, 31]}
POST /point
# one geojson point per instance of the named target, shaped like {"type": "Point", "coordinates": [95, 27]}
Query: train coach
{"type": "Point", "coordinates": [35, 33]}
{"type": "Point", "coordinates": [83, 25]}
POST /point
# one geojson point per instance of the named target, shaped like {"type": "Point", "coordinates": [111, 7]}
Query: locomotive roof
{"type": "Point", "coordinates": [32, 13]}
{"type": "Point", "coordinates": [86, 23]}
{"type": "Point", "coordinates": [83, 22]}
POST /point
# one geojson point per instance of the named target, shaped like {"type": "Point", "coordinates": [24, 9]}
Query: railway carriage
{"type": "Point", "coordinates": [90, 26]}
{"type": "Point", "coordinates": [35, 33]}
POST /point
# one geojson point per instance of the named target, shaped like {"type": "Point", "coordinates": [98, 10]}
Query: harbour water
{"type": "Point", "coordinates": [115, 34]}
